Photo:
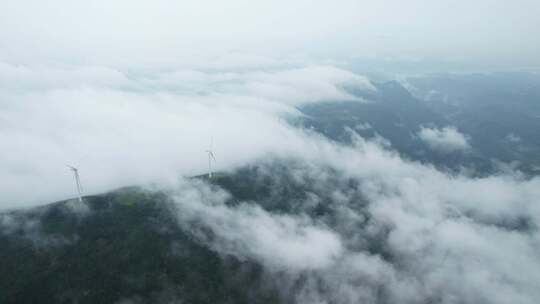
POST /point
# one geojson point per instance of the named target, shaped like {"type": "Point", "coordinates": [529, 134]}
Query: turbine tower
{"type": "Point", "coordinates": [77, 181]}
{"type": "Point", "coordinates": [210, 158]}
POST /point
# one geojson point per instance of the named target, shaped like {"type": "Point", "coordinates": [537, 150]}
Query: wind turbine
{"type": "Point", "coordinates": [210, 158]}
{"type": "Point", "coordinates": [77, 181]}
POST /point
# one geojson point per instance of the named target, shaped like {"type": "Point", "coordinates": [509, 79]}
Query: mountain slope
{"type": "Point", "coordinates": [126, 246]}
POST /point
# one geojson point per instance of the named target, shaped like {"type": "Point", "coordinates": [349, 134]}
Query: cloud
{"type": "Point", "coordinates": [363, 126]}
{"type": "Point", "coordinates": [28, 227]}
{"type": "Point", "coordinates": [511, 137]}
{"type": "Point", "coordinates": [445, 140]}
{"type": "Point", "coordinates": [392, 230]}
{"type": "Point", "coordinates": [286, 242]}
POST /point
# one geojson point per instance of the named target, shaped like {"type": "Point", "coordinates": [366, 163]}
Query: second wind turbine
{"type": "Point", "coordinates": [211, 158]}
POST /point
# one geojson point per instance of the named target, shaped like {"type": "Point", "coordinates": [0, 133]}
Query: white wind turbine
{"type": "Point", "coordinates": [77, 181]}
{"type": "Point", "coordinates": [210, 158]}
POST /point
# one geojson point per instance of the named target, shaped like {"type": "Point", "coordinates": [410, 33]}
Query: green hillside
{"type": "Point", "coordinates": [126, 247]}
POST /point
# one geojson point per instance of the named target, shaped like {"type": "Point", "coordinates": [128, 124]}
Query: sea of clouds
{"type": "Point", "coordinates": [392, 230]}
{"type": "Point", "coordinates": [406, 232]}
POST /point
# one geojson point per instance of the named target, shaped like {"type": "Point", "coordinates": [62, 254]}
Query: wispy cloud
{"type": "Point", "coordinates": [121, 129]}
{"type": "Point", "coordinates": [445, 140]}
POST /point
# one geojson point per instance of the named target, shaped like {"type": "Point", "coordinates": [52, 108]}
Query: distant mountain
{"type": "Point", "coordinates": [500, 111]}
{"type": "Point", "coordinates": [394, 114]}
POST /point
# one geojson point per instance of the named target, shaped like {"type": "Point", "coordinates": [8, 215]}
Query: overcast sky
{"type": "Point", "coordinates": [494, 32]}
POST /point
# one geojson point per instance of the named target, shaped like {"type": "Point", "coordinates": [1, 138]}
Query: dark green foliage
{"type": "Point", "coordinates": [128, 247]}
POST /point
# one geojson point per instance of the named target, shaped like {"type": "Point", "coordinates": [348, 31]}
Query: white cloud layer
{"type": "Point", "coordinates": [121, 129]}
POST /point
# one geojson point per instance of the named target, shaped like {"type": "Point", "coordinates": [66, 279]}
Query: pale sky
{"type": "Point", "coordinates": [109, 32]}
